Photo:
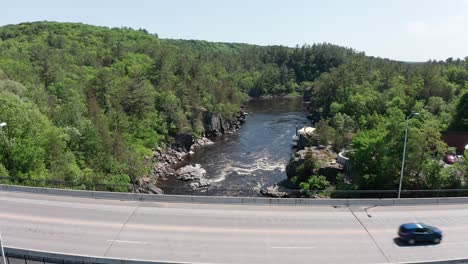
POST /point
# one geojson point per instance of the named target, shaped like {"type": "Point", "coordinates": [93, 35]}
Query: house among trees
{"type": "Point", "coordinates": [457, 140]}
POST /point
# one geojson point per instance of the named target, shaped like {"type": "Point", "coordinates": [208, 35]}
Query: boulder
{"type": "Point", "coordinates": [277, 191]}
{"type": "Point", "coordinates": [203, 141]}
{"type": "Point", "coordinates": [154, 190]}
{"type": "Point", "coordinates": [191, 172]}
{"type": "Point", "coordinates": [202, 183]}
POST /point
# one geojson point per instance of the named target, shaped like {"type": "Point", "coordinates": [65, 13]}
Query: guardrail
{"type": "Point", "coordinates": [62, 184]}
{"type": "Point", "coordinates": [26, 256]}
{"type": "Point", "coordinates": [238, 192]}
{"type": "Point", "coordinates": [234, 200]}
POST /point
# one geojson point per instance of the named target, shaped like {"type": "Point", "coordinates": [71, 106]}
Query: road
{"type": "Point", "coordinates": [209, 233]}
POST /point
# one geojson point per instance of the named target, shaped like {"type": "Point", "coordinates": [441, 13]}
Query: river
{"type": "Point", "coordinates": [253, 157]}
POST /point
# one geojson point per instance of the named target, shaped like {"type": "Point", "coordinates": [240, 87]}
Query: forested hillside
{"type": "Point", "coordinates": [363, 105]}
{"type": "Point", "coordinates": [88, 104]}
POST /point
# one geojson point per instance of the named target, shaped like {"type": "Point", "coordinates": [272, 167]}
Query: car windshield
{"type": "Point", "coordinates": [423, 225]}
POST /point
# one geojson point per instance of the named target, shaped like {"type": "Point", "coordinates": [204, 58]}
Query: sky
{"type": "Point", "coordinates": [407, 30]}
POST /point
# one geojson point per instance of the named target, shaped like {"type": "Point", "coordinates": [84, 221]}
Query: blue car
{"type": "Point", "coordinates": [419, 232]}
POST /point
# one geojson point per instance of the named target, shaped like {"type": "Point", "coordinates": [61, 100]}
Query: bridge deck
{"type": "Point", "coordinates": [213, 233]}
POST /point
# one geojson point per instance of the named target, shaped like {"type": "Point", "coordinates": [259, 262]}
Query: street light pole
{"type": "Point", "coordinates": [3, 251]}
{"type": "Point", "coordinates": [1, 240]}
{"type": "Point", "coordinates": [404, 153]}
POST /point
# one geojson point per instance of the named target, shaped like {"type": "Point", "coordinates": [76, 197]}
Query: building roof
{"type": "Point", "coordinates": [458, 140]}
{"type": "Point", "coordinates": [306, 130]}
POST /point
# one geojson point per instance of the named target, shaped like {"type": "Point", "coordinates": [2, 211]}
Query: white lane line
{"type": "Point", "coordinates": [293, 247]}
{"type": "Point", "coordinates": [127, 241]}
{"type": "Point", "coordinates": [453, 243]}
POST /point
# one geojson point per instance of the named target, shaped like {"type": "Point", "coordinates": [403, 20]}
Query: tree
{"type": "Point", "coordinates": [460, 119]}
{"type": "Point", "coordinates": [32, 148]}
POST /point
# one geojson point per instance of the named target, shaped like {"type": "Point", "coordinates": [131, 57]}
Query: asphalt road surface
{"type": "Point", "coordinates": [209, 233]}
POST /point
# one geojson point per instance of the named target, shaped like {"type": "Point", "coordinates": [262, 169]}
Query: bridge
{"type": "Point", "coordinates": [226, 233]}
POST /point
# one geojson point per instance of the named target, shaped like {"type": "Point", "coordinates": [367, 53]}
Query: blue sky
{"type": "Point", "coordinates": [411, 30]}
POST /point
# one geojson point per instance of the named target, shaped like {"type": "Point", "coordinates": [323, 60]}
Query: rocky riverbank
{"type": "Point", "coordinates": [325, 158]}
{"type": "Point", "coordinates": [308, 159]}
{"type": "Point", "coordinates": [168, 159]}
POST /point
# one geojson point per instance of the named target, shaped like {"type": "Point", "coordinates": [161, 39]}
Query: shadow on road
{"type": "Point", "coordinates": [401, 243]}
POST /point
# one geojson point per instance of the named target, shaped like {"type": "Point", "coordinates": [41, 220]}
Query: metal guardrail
{"type": "Point", "coordinates": [25, 256]}
{"type": "Point", "coordinates": [239, 192]}
{"type": "Point", "coordinates": [62, 184]}
{"type": "Point", "coordinates": [36, 257]}
{"type": "Point", "coordinates": [26, 259]}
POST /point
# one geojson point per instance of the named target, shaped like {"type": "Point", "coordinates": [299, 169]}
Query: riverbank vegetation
{"type": "Point", "coordinates": [89, 104]}
{"type": "Point", "coordinates": [363, 105]}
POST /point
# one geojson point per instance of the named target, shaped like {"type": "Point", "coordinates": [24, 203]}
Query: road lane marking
{"type": "Point", "coordinates": [127, 241]}
{"type": "Point", "coordinates": [453, 243]}
{"type": "Point", "coordinates": [293, 247]}
{"type": "Point", "coordinates": [168, 228]}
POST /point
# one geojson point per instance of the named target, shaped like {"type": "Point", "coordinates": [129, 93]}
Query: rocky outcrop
{"type": "Point", "coordinates": [282, 189]}
{"type": "Point", "coordinates": [201, 142]}
{"type": "Point", "coordinates": [304, 136]}
{"type": "Point", "coordinates": [216, 125]}
{"type": "Point", "coordinates": [324, 156]}
{"type": "Point", "coordinates": [194, 173]}
{"type": "Point", "coordinates": [182, 142]}
{"type": "Point", "coordinates": [202, 183]}
{"type": "Point", "coordinates": [168, 156]}
{"type": "Point", "coordinates": [165, 158]}
{"type": "Point", "coordinates": [274, 191]}
{"type": "Point", "coordinates": [147, 185]}
{"type": "Point", "coordinates": [302, 141]}
{"type": "Point", "coordinates": [191, 172]}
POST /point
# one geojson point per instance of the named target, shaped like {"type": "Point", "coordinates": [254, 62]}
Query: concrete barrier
{"type": "Point", "coordinates": [233, 200]}
{"type": "Point", "coordinates": [54, 257]}
{"type": "Point", "coordinates": [449, 261]}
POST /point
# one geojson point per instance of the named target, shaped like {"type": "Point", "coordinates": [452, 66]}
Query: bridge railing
{"type": "Point", "coordinates": [12, 258]}
{"type": "Point", "coordinates": [26, 256]}
{"type": "Point", "coordinates": [239, 191]}
{"type": "Point", "coordinates": [63, 184]}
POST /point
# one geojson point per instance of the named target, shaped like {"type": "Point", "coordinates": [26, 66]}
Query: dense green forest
{"type": "Point", "coordinates": [89, 104]}
{"type": "Point", "coordinates": [363, 105]}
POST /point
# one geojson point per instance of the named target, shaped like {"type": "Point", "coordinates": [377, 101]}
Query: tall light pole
{"type": "Point", "coordinates": [404, 152]}
{"type": "Point", "coordinates": [1, 240]}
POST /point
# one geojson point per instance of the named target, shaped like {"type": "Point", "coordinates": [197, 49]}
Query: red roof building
{"type": "Point", "coordinates": [458, 140]}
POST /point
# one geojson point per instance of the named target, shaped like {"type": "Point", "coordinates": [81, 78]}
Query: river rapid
{"type": "Point", "coordinates": [252, 158]}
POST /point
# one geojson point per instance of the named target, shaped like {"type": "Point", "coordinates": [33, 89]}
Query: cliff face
{"type": "Point", "coordinates": [215, 125]}
{"type": "Point", "coordinates": [184, 144]}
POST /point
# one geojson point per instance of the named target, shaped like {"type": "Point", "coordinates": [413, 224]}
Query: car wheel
{"type": "Point", "coordinates": [436, 240]}
{"type": "Point", "coordinates": [411, 241]}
